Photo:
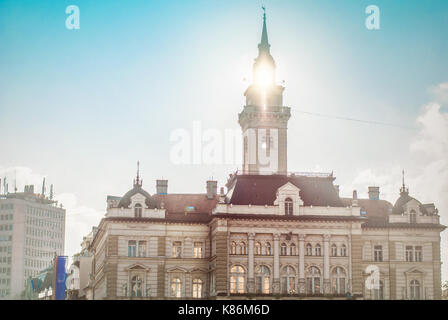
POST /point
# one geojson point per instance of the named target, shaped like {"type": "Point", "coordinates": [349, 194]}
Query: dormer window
{"type": "Point", "coordinates": [138, 210]}
{"type": "Point", "coordinates": [288, 207]}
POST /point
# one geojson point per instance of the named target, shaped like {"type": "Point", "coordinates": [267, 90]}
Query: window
{"type": "Point", "coordinates": [309, 249]}
{"type": "Point", "coordinates": [409, 254]}
{"type": "Point", "coordinates": [176, 288]}
{"type": "Point", "coordinates": [177, 249]}
{"type": "Point", "coordinates": [233, 248]}
{"type": "Point", "coordinates": [258, 248]}
{"type": "Point", "coordinates": [242, 248]}
{"type": "Point", "coordinates": [283, 249]}
{"type": "Point", "coordinates": [378, 294]}
{"type": "Point", "coordinates": [378, 253]}
{"type": "Point", "coordinates": [418, 254]}
{"type": "Point", "coordinates": [138, 210]}
{"type": "Point", "coordinates": [317, 250]}
{"type": "Point", "coordinates": [343, 250]}
{"type": "Point", "coordinates": [237, 279]}
{"type": "Point", "coordinates": [142, 248]}
{"type": "Point", "coordinates": [334, 250]}
{"type": "Point", "coordinates": [263, 279]}
{"type": "Point", "coordinates": [292, 249]}
{"type": "Point", "coordinates": [197, 288]}
{"type": "Point", "coordinates": [338, 280]}
{"type": "Point", "coordinates": [132, 248]}
{"type": "Point", "coordinates": [288, 280]}
{"type": "Point", "coordinates": [313, 280]}
{"type": "Point", "coordinates": [268, 249]}
{"type": "Point", "coordinates": [288, 207]}
{"type": "Point", "coordinates": [197, 250]}
{"type": "Point", "coordinates": [415, 290]}
{"type": "Point", "coordinates": [412, 217]}
{"type": "Point", "coordinates": [136, 286]}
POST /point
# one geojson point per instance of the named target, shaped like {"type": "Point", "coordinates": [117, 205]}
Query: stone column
{"type": "Point", "coordinates": [326, 286]}
{"type": "Point", "coordinates": [276, 281]}
{"type": "Point", "coordinates": [250, 264]}
{"type": "Point", "coordinates": [301, 263]}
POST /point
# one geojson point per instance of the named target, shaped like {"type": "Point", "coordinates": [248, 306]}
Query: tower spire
{"type": "Point", "coordinates": [264, 43]}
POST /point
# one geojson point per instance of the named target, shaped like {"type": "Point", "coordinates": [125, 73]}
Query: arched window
{"type": "Point", "coordinates": [313, 280]}
{"type": "Point", "coordinates": [233, 247]}
{"type": "Point", "coordinates": [338, 280]}
{"type": "Point", "coordinates": [176, 288]}
{"type": "Point", "coordinates": [243, 247]}
{"type": "Point", "coordinates": [378, 294]}
{"type": "Point", "coordinates": [412, 216]}
{"type": "Point", "coordinates": [415, 289]}
{"type": "Point", "coordinates": [288, 207]}
{"type": "Point", "coordinates": [343, 250]}
{"type": "Point", "coordinates": [138, 210]}
{"type": "Point", "coordinates": [268, 251]}
{"type": "Point", "coordinates": [292, 249]}
{"type": "Point", "coordinates": [334, 250]}
{"type": "Point", "coordinates": [283, 249]}
{"type": "Point", "coordinates": [258, 248]}
{"type": "Point", "coordinates": [309, 249]}
{"type": "Point", "coordinates": [317, 250]}
{"type": "Point", "coordinates": [237, 279]}
{"type": "Point", "coordinates": [197, 288]}
{"type": "Point", "coordinates": [288, 277]}
{"type": "Point", "coordinates": [136, 286]}
{"type": "Point", "coordinates": [263, 279]}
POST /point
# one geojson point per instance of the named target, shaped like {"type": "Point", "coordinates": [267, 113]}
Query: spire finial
{"type": "Point", "coordinates": [137, 181]}
{"type": "Point", "coordinates": [403, 187]}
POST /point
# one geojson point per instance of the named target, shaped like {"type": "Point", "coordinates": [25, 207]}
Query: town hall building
{"type": "Point", "coordinates": [270, 233]}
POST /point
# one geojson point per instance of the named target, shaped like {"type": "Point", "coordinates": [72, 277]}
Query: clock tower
{"type": "Point", "coordinates": [264, 119]}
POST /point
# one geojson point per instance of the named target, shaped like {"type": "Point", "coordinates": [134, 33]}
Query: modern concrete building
{"type": "Point", "coordinates": [273, 234]}
{"type": "Point", "coordinates": [32, 231]}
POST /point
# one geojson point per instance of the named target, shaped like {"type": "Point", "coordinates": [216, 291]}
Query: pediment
{"type": "Point", "coordinates": [288, 187]}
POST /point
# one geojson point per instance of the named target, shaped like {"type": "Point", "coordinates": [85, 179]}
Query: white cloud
{"type": "Point", "coordinates": [440, 92]}
{"type": "Point", "coordinates": [79, 221]}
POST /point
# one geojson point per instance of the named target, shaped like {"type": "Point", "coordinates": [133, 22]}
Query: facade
{"type": "Point", "coordinates": [272, 234]}
{"type": "Point", "coordinates": [32, 230]}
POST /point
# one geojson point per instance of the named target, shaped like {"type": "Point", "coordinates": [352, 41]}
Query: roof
{"type": "Point", "coordinates": [262, 190]}
{"type": "Point", "coordinates": [402, 201]}
{"type": "Point", "coordinates": [126, 199]}
{"type": "Point", "coordinates": [375, 209]}
{"type": "Point", "coordinates": [188, 202]}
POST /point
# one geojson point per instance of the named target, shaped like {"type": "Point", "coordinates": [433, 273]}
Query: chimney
{"type": "Point", "coordinates": [212, 189]}
{"type": "Point", "coordinates": [336, 187]}
{"type": "Point", "coordinates": [374, 193]}
{"type": "Point", "coordinates": [355, 198]}
{"type": "Point", "coordinates": [162, 186]}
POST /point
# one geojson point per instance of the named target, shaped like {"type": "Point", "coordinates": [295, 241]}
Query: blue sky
{"type": "Point", "coordinates": [82, 106]}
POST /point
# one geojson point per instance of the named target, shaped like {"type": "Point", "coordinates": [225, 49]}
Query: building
{"type": "Point", "coordinates": [272, 234]}
{"type": "Point", "coordinates": [32, 231]}
{"type": "Point", "coordinates": [80, 272]}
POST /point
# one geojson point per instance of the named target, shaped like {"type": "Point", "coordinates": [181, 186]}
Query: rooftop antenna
{"type": "Point", "coordinates": [15, 181]}
{"type": "Point", "coordinates": [51, 192]}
